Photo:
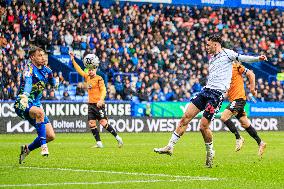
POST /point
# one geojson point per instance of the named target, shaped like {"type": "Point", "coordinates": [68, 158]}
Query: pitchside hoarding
{"type": "Point", "coordinates": [267, 109]}
{"type": "Point", "coordinates": [64, 116]}
{"type": "Point", "coordinates": [177, 109]}
{"type": "Point", "coordinates": [265, 4]}
{"type": "Point", "coordinates": [72, 117]}
{"type": "Point", "coordinates": [77, 124]}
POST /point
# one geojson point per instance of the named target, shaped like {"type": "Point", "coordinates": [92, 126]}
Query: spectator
{"type": "Point", "coordinates": [153, 44]}
{"type": "Point", "coordinates": [44, 95]}
{"type": "Point", "coordinates": [142, 95]}
{"type": "Point", "coordinates": [80, 90]}
{"type": "Point", "coordinates": [52, 96]}
{"type": "Point", "coordinates": [66, 96]}
{"type": "Point", "coordinates": [5, 94]}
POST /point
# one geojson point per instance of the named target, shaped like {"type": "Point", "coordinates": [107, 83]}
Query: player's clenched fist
{"type": "Point", "coordinates": [100, 103]}
{"type": "Point", "coordinates": [71, 56]}
{"type": "Point", "coordinates": [262, 57]}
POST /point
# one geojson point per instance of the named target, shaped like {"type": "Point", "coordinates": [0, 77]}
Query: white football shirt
{"type": "Point", "coordinates": [220, 68]}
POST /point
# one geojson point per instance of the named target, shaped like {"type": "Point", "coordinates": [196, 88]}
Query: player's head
{"type": "Point", "coordinates": [92, 71]}
{"type": "Point", "coordinates": [37, 56]}
{"type": "Point", "coordinates": [213, 44]}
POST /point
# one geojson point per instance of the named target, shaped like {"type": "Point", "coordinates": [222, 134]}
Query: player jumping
{"type": "Point", "coordinates": [211, 96]}
{"type": "Point", "coordinates": [237, 98]}
{"type": "Point", "coordinates": [27, 105]}
{"type": "Point", "coordinates": [96, 105]}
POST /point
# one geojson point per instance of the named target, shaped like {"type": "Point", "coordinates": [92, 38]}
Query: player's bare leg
{"type": "Point", "coordinates": [226, 118]}
{"type": "Point", "coordinates": [205, 130]}
{"type": "Point", "coordinates": [110, 129]}
{"type": "Point", "coordinates": [190, 113]}
{"type": "Point", "coordinates": [96, 134]}
{"type": "Point", "coordinates": [208, 139]}
{"type": "Point", "coordinates": [50, 135]}
{"type": "Point", "coordinates": [245, 123]}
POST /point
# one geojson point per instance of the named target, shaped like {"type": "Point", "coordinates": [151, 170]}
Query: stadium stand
{"type": "Point", "coordinates": [148, 52]}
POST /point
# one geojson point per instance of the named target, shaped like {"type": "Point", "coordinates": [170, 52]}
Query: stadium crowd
{"type": "Point", "coordinates": [163, 45]}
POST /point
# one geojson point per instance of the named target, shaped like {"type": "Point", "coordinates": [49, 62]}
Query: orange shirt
{"type": "Point", "coordinates": [237, 88]}
{"type": "Point", "coordinates": [96, 85]}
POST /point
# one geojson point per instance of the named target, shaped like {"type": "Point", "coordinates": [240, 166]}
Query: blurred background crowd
{"type": "Point", "coordinates": [161, 47]}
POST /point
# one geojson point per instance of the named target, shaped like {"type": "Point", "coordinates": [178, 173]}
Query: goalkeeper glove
{"type": "Point", "coordinates": [24, 101]}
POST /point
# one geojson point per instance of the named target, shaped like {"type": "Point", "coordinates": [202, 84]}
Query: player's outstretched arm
{"type": "Point", "coordinates": [251, 76]}
{"type": "Point", "coordinates": [244, 58]}
{"type": "Point", "coordinates": [251, 59]}
{"type": "Point", "coordinates": [27, 86]}
{"type": "Point", "coordinates": [76, 66]}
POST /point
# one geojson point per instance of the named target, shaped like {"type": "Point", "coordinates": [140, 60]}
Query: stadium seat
{"type": "Point", "coordinates": [79, 98]}
{"type": "Point", "coordinates": [85, 98]}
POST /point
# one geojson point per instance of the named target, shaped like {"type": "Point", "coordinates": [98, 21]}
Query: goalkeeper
{"type": "Point", "coordinates": [27, 105]}
{"type": "Point", "coordinates": [96, 93]}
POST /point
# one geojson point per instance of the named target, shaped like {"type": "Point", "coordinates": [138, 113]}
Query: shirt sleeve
{"type": "Point", "coordinates": [102, 88]}
{"type": "Point", "coordinates": [234, 56]}
{"type": "Point", "coordinates": [79, 70]}
{"type": "Point", "coordinates": [248, 59]}
{"type": "Point", "coordinates": [28, 79]}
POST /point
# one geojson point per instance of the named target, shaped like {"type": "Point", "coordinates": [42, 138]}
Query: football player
{"type": "Point", "coordinates": [237, 98]}
{"type": "Point", "coordinates": [27, 105]}
{"type": "Point", "coordinates": [210, 97]}
{"type": "Point", "coordinates": [97, 94]}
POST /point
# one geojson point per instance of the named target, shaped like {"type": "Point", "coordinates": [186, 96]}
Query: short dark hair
{"type": "Point", "coordinates": [216, 38]}
{"type": "Point", "coordinates": [34, 49]}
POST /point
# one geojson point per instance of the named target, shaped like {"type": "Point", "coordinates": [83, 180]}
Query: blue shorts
{"type": "Point", "coordinates": [209, 100]}
{"type": "Point", "coordinates": [24, 112]}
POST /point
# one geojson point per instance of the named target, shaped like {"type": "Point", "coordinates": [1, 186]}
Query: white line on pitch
{"type": "Point", "coordinates": [93, 183]}
{"type": "Point", "coordinates": [122, 173]}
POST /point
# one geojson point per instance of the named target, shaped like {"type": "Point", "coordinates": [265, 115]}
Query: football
{"type": "Point", "coordinates": [91, 61]}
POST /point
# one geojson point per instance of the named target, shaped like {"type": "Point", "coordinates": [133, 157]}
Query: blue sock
{"type": "Point", "coordinates": [41, 139]}
{"type": "Point", "coordinates": [35, 144]}
{"type": "Point", "coordinates": [41, 132]}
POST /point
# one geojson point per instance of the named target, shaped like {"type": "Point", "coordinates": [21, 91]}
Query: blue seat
{"type": "Point", "coordinates": [79, 98]}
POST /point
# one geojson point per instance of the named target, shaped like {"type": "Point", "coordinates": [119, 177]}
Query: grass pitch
{"type": "Point", "coordinates": [72, 162]}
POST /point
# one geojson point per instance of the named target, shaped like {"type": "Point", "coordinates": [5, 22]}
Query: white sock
{"type": "Point", "coordinates": [117, 137]}
{"type": "Point", "coordinates": [175, 137]}
{"type": "Point", "coordinates": [209, 146]}
{"type": "Point", "coordinates": [44, 145]}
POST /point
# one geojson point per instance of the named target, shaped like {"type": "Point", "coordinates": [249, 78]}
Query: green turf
{"type": "Point", "coordinates": [109, 166]}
